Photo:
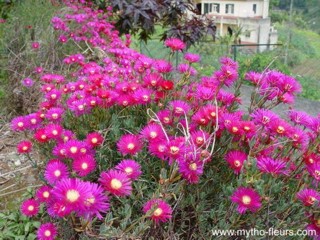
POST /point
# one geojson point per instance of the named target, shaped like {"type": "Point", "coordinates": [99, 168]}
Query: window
{"type": "Point", "coordinates": [230, 8]}
{"type": "Point", "coordinates": [216, 7]}
{"type": "Point", "coordinates": [254, 8]}
{"type": "Point", "coordinates": [207, 8]}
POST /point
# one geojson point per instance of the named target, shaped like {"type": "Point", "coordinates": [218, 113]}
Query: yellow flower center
{"type": "Point", "coordinates": [246, 200]}
{"type": "Point", "coordinates": [174, 150]}
{"type": "Point", "coordinates": [73, 195]}
{"type": "Point", "coordinates": [116, 184]}
{"type": "Point", "coordinates": [55, 132]}
{"type": "Point", "coordinates": [145, 98]}
{"type": "Point", "coordinates": [166, 120]}
{"type": "Point", "coordinates": [199, 140]}
{"type": "Point", "coordinates": [235, 129]}
{"type": "Point", "coordinates": [130, 146]}
{"type": "Point", "coordinates": [57, 173]}
{"type": "Point", "coordinates": [94, 140]}
{"type": "Point", "coordinates": [90, 201]}
{"type": "Point", "coordinates": [237, 163]}
{"type": "Point", "coordinates": [157, 212]}
{"type": "Point", "coordinates": [80, 107]}
{"type": "Point", "coordinates": [280, 129]}
{"type": "Point", "coordinates": [125, 103]}
{"type": "Point", "coordinates": [30, 208]}
{"type": "Point", "coordinates": [83, 150]}
{"type": "Point", "coordinates": [179, 110]}
{"type": "Point", "coordinates": [54, 115]}
{"type": "Point", "coordinates": [128, 170]}
{"type": "Point", "coordinates": [73, 149]}
{"type": "Point", "coordinates": [43, 137]}
{"type": "Point", "coordinates": [193, 166]}
{"type": "Point", "coordinates": [311, 200]}
{"type": "Point", "coordinates": [33, 121]}
{"type": "Point", "coordinates": [20, 124]}
{"type": "Point", "coordinates": [246, 128]}
{"type": "Point", "coordinates": [25, 148]}
{"type": "Point", "coordinates": [153, 134]}
{"type": "Point", "coordinates": [84, 165]}
{"type": "Point", "coordinates": [47, 233]}
{"type": "Point", "coordinates": [46, 194]}
{"type": "Point", "coordinates": [53, 96]}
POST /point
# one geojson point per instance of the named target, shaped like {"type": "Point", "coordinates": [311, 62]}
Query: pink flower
{"type": "Point", "coordinates": [27, 82]}
{"type": "Point", "coordinates": [162, 66]}
{"type": "Point", "coordinates": [55, 114]}
{"type": "Point", "coordinates": [158, 210]}
{"type": "Point", "coordinates": [94, 139]}
{"type": "Point", "coordinates": [236, 159]}
{"type": "Point", "coordinates": [55, 171]}
{"type": "Point", "coordinates": [84, 165]}
{"type": "Point", "coordinates": [179, 107]}
{"type": "Point", "coordinates": [191, 168]}
{"type": "Point", "coordinates": [308, 196]}
{"type": "Point", "coordinates": [53, 131]}
{"type": "Point", "coordinates": [247, 199]}
{"type": "Point", "coordinates": [269, 165]}
{"type": "Point", "coordinates": [24, 147]}
{"type": "Point", "coordinates": [71, 192]}
{"type": "Point", "coordinates": [47, 231]}
{"type": "Point", "coordinates": [192, 58]}
{"type": "Point", "coordinates": [175, 44]}
{"type": "Point", "coordinates": [130, 167]}
{"type": "Point", "coordinates": [116, 182]}
{"type": "Point", "coordinates": [19, 124]}
{"type": "Point", "coordinates": [264, 117]}
{"type": "Point", "coordinates": [35, 45]}
{"type": "Point", "coordinates": [43, 194]}
{"type": "Point", "coordinates": [152, 132]}
{"type": "Point", "coordinates": [30, 207]}
{"type": "Point", "coordinates": [129, 144]}
{"type": "Point", "coordinates": [96, 203]}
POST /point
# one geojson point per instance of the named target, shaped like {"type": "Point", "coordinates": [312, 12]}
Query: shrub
{"type": "Point", "coordinates": [138, 149]}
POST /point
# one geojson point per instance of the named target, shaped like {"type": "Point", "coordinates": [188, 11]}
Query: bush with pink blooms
{"type": "Point", "coordinates": [139, 148]}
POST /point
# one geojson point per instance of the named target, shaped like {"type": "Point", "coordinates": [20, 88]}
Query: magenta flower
{"type": "Point", "coordinates": [264, 117]}
{"type": "Point", "coordinates": [84, 165]}
{"type": "Point", "coordinates": [55, 114]}
{"type": "Point", "coordinates": [129, 144]}
{"type": "Point", "coordinates": [300, 117]}
{"type": "Point", "coordinates": [269, 165]}
{"type": "Point", "coordinates": [76, 149]}
{"type": "Point", "coordinates": [152, 132]}
{"type": "Point", "coordinates": [175, 44]}
{"type": "Point", "coordinates": [96, 203]}
{"type": "Point", "coordinates": [158, 210]}
{"type": "Point", "coordinates": [47, 231]}
{"type": "Point", "coordinates": [35, 45]}
{"type": "Point", "coordinates": [247, 199]}
{"type": "Point", "coordinates": [43, 194]}
{"type": "Point", "coordinates": [308, 196]}
{"type": "Point", "coordinates": [190, 168]}
{"type": "Point", "coordinates": [71, 192]}
{"type": "Point", "coordinates": [236, 159]}
{"type": "Point", "coordinates": [143, 96]}
{"type": "Point", "coordinates": [19, 124]}
{"type": "Point", "coordinates": [130, 167]}
{"type": "Point", "coordinates": [200, 138]}
{"type": "Point", "coordinates": [116, 182]}
{"type": "Point", "coordinates": [53, 131]}
{"type": "Point", "coordinates": [192, 58]}
{"type": "Point", "coordinates": [179, 107]}
{"type": "Point", "coordinates": [314, 170]}
{"type": "Point", "coordinates": [158, 149]}
{"type": "Point", "coordinates": [27, 82]}
{"type": "Point", "coordinates": [24, 147]}
{"type": "Point", "coordinates": [55, 171]}
{"type": "Point", "coordinates": [30, 207]}
{"type": "Point", "coordinates": [33, 120]}
{"type": "Point", "coordinates": [162, 66]}
{"type": "Point", "coordinates": [94, 139]}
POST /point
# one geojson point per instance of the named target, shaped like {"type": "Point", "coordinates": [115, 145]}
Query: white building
{"type": "Point", "coordinates": [251, 15]}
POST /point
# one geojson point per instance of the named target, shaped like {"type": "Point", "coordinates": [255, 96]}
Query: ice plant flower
{"type": "Point", "coordinates": [47, 231]}
{"type": "Point", "coordinates": [247, 199]}
{"type": "Point", "coordinates": [95, 203]}
{"type": "Point", "coordinates": [71, 192]}
{"type": "Point", "coordinates": [158, 210]}
{"type": "Point", "coordinates": [192, 58]}
{"type": "Point", "coordinates": [308, 196]}
{"type": "Point", "coordinates": [43, 194]}
{"type": "Point", "coordinates": [269, 165]}
{"type": "Point", "coordinates": [35, 45]}
{"type": "Point", "coordinates": [175, 44]}
{"type": "Point", "coordinates": [27, 82]}
{"type": "Point", "coordinates": [55, 171]}
{"type": "Point", "coordinates": [236, 159]}
{"type": "Point", "coordinates": [84, 165]}
{"type": "Point", "coordinates": [116, 182]}
{"type": "Point", "coordinates": [94, 139]}
{"type": "Point", "coordinates": [24, 147]}
{"type": "Point", "coordinates": [30, 207]}
{"type": "Point", "coordinates": [130, 167]}
{"type": "Point", "coordinates": [129, 144]}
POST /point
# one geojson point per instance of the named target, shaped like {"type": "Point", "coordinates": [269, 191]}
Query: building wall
{"type": "Point", "coordinates": [242, 9]}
